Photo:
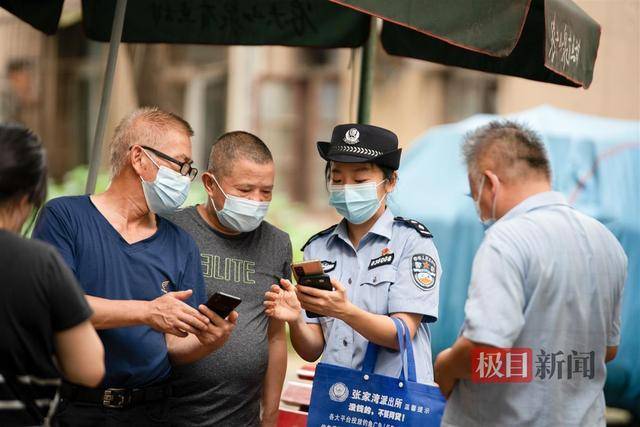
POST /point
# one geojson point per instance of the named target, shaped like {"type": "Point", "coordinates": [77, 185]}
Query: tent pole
{"type": "Point", "coordinates": [114, 45]}
{"type": "Point", "coordinates": [366, 74]}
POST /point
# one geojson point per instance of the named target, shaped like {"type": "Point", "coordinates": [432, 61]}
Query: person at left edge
{"type": "Point", "coordinates": [44, 317]}
{"type": "Point", "coordinates": [380, 266]}
{"type": "Point", "coordinates": [141, 274]}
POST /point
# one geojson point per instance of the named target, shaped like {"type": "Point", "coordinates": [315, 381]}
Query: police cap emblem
{"type": "Point", "coordinates": [352, 136]}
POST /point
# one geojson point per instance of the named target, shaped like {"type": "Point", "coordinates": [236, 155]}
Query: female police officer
{"type": "Point", "coordinates": [380, 266]}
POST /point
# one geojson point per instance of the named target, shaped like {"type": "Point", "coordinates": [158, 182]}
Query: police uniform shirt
{"type": "Point", "coordinates": [395, 269]}
{"type": "Point", "coordinates": [548, 278]}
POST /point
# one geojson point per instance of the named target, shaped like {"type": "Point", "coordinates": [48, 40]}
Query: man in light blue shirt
{"type": "Point", "coordinates": [547, 278]}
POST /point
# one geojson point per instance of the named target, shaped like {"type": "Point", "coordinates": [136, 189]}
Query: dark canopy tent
{"type": "Point", "coordinates": [547, 40]}
{"type": "Point", "coordinates": [551, 41]}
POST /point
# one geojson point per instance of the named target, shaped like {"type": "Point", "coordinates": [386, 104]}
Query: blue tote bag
{"type": "Point", "coordinates": [348, 397]}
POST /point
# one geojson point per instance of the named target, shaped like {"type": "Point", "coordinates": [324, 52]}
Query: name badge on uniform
{"type": "Point", "coordinates": [381, 260]}
{"type": "Point", "coordinates": [424, 271]}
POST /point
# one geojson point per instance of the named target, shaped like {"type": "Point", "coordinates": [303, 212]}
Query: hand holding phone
{"type": "Point", "coordinates": [223, 304]}
{"type": "Point", "coordinates": [311, 274]}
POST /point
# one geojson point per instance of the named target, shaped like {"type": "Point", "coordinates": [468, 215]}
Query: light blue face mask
{"type": "Point", "coordinates": [168, 192]}
{"type": "Point", "coordinates": [486, 223]}
{"type": "Point", "coordinates": [240, 214]}
{"type": "Point", "coordinates": [357, 203]}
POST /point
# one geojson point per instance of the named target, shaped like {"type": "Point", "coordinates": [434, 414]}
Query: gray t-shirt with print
{"type": "Point", "coordinates": [225, 388]}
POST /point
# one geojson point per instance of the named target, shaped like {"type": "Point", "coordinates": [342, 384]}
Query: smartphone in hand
{"type": "Point", "coordinates": [321, 281]}
{"type": "Point", "coordinates": [223, 304]}
{"type": "Point", "coordinates": [306, 268]}
{"type": "Point", "coordinates": [310, 273]}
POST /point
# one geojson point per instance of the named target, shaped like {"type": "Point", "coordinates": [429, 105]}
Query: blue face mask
{"type": "Point", "coordinates": [240, 214]}
{"type": "Point", "coordinates": [168, 192]}
{"type": "Point", "coordinates": [357, 203]}
{"type": "Point", "coordinates": [486, 223]}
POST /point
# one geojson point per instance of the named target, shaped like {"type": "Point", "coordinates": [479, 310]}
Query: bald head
{"type": "Point", "coordinates": [236, 145]}
{"type": "Point", "coordinates": [511, 150]}
{"type": "Point", "coordinates": [145, 126]}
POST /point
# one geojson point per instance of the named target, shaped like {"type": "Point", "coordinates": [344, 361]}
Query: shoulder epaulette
{"type": "Point", "coordinates": [419, 227]}
{"type": "Point", "coordinates": [319, 234]}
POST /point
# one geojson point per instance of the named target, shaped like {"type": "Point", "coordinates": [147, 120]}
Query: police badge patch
{"type": "Point", "coordinates": [328, 266]}
{"type": "Point", "coordinates": [424, 271]}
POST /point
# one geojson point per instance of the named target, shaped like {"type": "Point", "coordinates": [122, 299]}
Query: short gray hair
{"type": "Point", "coordinates": [144, 126]}
{"type": "Point", "coordinates": [508, 147]}
{"type": "Point", "coordinates": [232, 145]}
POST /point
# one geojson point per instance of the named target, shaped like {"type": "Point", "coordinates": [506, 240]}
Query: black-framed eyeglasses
{"type": "Point", "coordinates": [185, 167]}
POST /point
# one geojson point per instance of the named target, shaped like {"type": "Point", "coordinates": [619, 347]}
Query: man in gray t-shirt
{"type": "Point", "coordinates": [241, 255]}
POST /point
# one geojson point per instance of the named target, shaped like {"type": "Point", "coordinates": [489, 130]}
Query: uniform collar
{"type": "Point", "coordinates": [382, 227]}
{"type": "Point", "coordinates": [540, 200]}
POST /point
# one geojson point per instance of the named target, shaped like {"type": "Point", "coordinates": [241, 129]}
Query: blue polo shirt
{"type": "Point", "coordinates": [108, 267]}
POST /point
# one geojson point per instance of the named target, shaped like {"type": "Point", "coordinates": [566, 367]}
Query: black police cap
{"type": "Point", "coordinates": [356, 143]}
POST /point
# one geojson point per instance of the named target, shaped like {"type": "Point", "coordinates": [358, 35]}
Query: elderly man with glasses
{"type": "Point", "coordinates": [141, 274]}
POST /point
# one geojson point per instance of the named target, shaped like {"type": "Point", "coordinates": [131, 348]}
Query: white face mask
{"type": "Point", "coordinates": [240, 214]}
{"type": "Point", "coordinates": [167, 192]}
{"type": "Point", "coordinates": [357, 203]}
{"type": "Point", "coordinates": [486, 223]}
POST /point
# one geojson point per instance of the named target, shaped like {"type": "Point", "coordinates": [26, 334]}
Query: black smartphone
{"type": "Point", "coordinates": [223, 304]}
{"type": "Point", "coordinates": [319, 281]}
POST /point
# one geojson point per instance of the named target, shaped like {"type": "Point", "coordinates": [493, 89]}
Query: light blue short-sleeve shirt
{"type": "Point", "coordinates": [395, 269]}
{"type": "Point", "coordinates": [549, 278]}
